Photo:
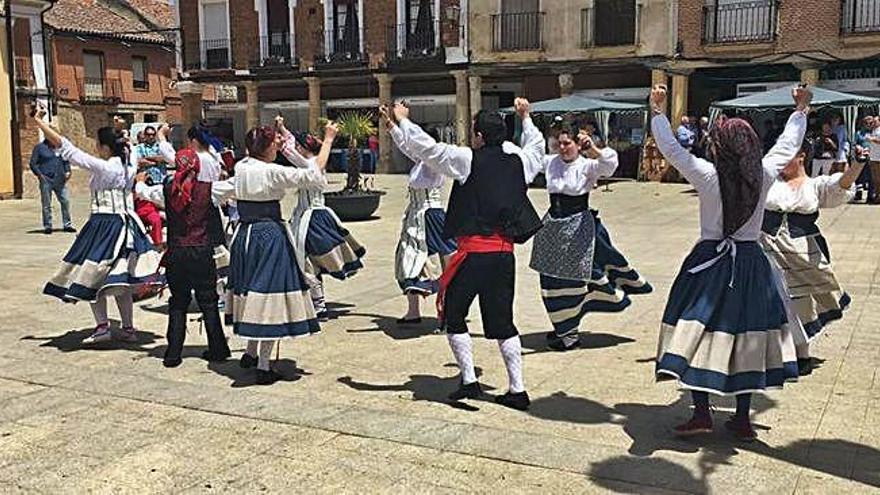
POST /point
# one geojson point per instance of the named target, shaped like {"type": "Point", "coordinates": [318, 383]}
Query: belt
{"type": "Point", "coordinates": [799, 224]}
{"type": "Point", "coordinates": [724, 248]}
{"type": "Point", "coordinates": [495, 243]}
{"type": "Point", "coordinates": [563, 205]}
{"type": "Point", "coordinates": [259, 211]}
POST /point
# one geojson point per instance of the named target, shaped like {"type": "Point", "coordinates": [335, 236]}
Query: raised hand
{"type": "Point", "coordinates": [522, 107]}
{"type": "Point", "coordinates": [658, 98]}
{"type": "Point", "coordinates": [38, 111]}
{"type": "Point", "coordinates": [386, 116]}
{"type": "Point", "coordinates": [279, 122]}
{"type": "Point", "coordinates": [802, 97]}
{"type": "Point", "coordinates": [400, 111]}
{"type": "Point", "coordinates": [331, 129]}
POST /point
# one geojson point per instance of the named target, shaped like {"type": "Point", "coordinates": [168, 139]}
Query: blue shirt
{"type": "Point", "coordinates": [47, 162]}
{"type": "Point", "coordinates": [685, 136]}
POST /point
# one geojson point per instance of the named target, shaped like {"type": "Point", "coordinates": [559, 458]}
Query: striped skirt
{"type": "Point", "coordinates": [611, 282]}
{"type": "Point", "coordinates": [805, 262]}
{"type": "Point", "coordinates": [417, 261]}
{"type": "Point", "coordinates": [725, 328]}
{"type": "Point", "coordinates": [267, 295]}
{"type": "Point", "coordinates": [111, 250]}
{"type": "Point", "coordinates": [329, 246]}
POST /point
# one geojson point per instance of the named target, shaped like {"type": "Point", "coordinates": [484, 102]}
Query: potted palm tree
{"type": "Point", "coordinates": [357, 200]}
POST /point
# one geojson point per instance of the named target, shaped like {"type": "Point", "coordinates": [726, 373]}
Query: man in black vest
{"type": "Point", "coordinates": [488, 213]}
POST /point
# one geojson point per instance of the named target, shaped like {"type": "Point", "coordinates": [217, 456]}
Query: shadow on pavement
{"type": "Point", "coordinates": [537, 342]}
{"type": "Point", "coordinates": [388, 325]}
{"type": "Point", "coordinates": [241, 377]}
{"type": "Point", "coordinates": [841, 458]}
{"type": "Point", "coordinates": [71, 341]}
{"type": "Point", "coordinates": [428, 388]}
{"type": "Point", "coordinates": [653, 472]}
{"type": "Point", "coordinates": [563, 407]}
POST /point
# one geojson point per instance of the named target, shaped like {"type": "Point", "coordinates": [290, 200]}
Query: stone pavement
{"type": "Point", "coordinates": [363, 408]}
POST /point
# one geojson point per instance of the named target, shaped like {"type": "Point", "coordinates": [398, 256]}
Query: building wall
{"type": "Point", "coordinates": [7, 184]}
{"type": "Point", "coordinates": [562, 33]}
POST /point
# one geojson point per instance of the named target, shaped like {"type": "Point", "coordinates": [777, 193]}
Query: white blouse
{"type": "Point", "coordinates": [288, 149]}
{"type": "Point", "coordinates": [814, 193]}
{"type": "Point", "coordinates": [420, 175]}
{"type": "Point", "coordinates": [105, 174]}
{"type": "Point", "coordinates": [256, 180]}
{"type": "Point", "coordinates": [580, 176]}
{"type": "Point", "coordinates": [702, 175]}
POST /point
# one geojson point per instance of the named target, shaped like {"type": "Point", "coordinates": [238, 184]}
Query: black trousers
{"type": "Point", "coordinates": [491, 276]}
{"type": "Point", "coordinates": [188, 270]}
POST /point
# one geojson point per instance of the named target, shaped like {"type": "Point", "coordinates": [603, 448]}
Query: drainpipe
{"type": "Point", "coordinates": [17, 184]}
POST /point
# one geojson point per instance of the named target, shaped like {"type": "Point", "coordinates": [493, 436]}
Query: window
{"type": "Point", "coordinates": [518, 27]}
{"type": "Point", "coordinates": [93, 82]}
{"type": "Point", "coordinates": [739, 21]}
{"type": "Point", "coordinates": [420, 25]}
{"type": "Point", "coordinates": [346, 30]}
{"type": "Point", "coordinates": [151, 118]}
{"type": "Point", "coordinates": [615, 22]}
{"type": "Point", "coordinates": [139, 73]}
{"type": "Point", "coordinates": [215, 35]}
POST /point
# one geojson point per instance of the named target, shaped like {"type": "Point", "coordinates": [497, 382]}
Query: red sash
{"type": "Point", "coordinates": [495, 243]}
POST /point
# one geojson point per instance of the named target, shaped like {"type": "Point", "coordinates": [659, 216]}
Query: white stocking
{"type": "Point", "coordinates": [265, 354]}
{"type": "Point", "coordinates": [99, 309]}
{"type": "Point", "coordinates": [462, 349]}
{"type": "Point", "coordinates": [252, 348]}
{"type": "Point", "coordinates": [511, 352]}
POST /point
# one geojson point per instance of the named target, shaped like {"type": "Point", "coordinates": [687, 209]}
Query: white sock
{"type": "Point", "coordinates": [99, 309]}
{"type": "Point", "coordinates": [125, 303]}
{"type": "Point", "coordinates": [265, 354]}
{"type": "Point", "coordinates": [511, 352]}
{"type": "Point", "coordinates": [414, 306]}
{"type": "Point", "coordinates": [462, 349]}
{"type": "Point", "coordinates": [252, 348]}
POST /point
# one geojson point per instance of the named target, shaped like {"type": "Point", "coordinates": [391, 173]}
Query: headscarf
{"type": "Point", "coordinates": [308, 142]}
{"type": "Point", "coordinates": [258, 139]}
{"type": "Point", "coordinates": [737, 155]}
{"type": "Point", "coordinates": [185, 177]}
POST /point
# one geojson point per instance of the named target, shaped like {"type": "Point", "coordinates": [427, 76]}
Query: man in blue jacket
{"type": "Point", "coordinates": [53, 173]}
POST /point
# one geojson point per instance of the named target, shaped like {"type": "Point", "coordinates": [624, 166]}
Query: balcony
{"type": "Point", "coordinates": [208, 55]}
{"type": "Point", "coordinates": [518, 32]}
{"type": "Point", "coordinates": [341, 49]}
{"type": "Point", "coordinates": [24, 73]}
{"type": "Point", "coordinates": [859, 17]}
{"type": "Point", "coordinates": [619, 24]}
{"type": "Point", "coordinates": [407, 44]}
{"type": "Point", "coordinates": [99, 91]}
{"type": "Point", "coordinates": [140, 85]}
{"type": "Point", "coordinates": [274, 51]}
{"type": "Point", "coordinates": [742, 22]}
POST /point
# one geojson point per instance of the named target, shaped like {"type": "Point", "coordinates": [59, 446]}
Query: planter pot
{"type": "Point", "coordinates": [353, 206]}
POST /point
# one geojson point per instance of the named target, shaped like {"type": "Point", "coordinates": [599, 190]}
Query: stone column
{"type": "Point", "coordinates": [566, 84]}
{"type": "Point", "coordinates": [191, 103]}
{"type": "Point", "coordinates": [385, 164]}
{"type": "Point", "coordinates": [476, 89]}
{"type": "Point", "coordinates": [658, 76]}
{"type": "Point", "coordinates": [462, 113]}
{"type": "Point", "coordinates": [252, 112]}
{"type": "Point", "coordinates": [314, 103]}
{"type": "Point", "coordinates": [679, 96]}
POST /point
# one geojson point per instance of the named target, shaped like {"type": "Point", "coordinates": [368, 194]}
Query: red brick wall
{"type": "Point", "coordinates": [189, 28]}
{"type": "Point", "coordinates": [379, 16]}
{"type": "Point", "coordinates": [309, 29]}
{"type": "Point", "coordinates": [245, 31]}
{"type": "Point", "coordinates": [67, 57]}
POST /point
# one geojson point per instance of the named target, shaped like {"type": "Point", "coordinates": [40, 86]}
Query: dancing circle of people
{"type": "Point", "coordinates": [754, 291]}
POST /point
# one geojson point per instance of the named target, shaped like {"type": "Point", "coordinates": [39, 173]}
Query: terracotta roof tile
{"type": "Point", "coordinates": [98, 17]}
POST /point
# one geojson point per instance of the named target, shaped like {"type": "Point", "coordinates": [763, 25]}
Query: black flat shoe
{"type": "Point", "coordinates": [47, 231]}
{"type": "Point", "coordinates": [171, 363]}
{"type": "Point", "coordinates": [411, 321]}
{"type": "Point", "coordinates": [805, 366]}
{"type": "Point", "coordinates": [70, 230]}
{"type": "Point", "coordinates": [558, 344]}
{"type": "Point", "coordinates": [519, 401]}
{"type": "Point", "coordinates": [267, 377]}
{"type": "Point", "coordinates": [247, 361]}
{"type": "Point", "coordinates": [208, 356]}
{"type": "Point", "coordinates": [469, 391]}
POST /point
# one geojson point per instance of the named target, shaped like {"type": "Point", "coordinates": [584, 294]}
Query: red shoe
{"type": "Point", "coordinates": [741, 429]}
{"type": "Point", "coordinates": [699, 424]}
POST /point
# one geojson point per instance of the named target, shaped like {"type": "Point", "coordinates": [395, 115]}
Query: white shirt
{"type": "Point", "coordinates": [702, 175]}
{"type": "Point", "coordinates": [814, 193]}
{"type": "Point", "coordinates": [105, 174]}
{"type": "Point", "coordinates": [421, 176]}
{"type": "Point", "coordinates": [455, 161]}
{"type": "Point", "coordinates": [256, 180]}
{"type": "Point", "coordinates": [209, 164]}
{"type": "Point", "coordinates": [579, 176]}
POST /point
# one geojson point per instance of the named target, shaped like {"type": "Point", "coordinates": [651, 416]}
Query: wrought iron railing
{"type": "Point", "coordinates": [341, 46]}
{"type": "Point", "coordinates": [518, 32]}
{"type": "Point", "coordinates": [408, 42]}
{"type": "Point", "coordinates": [208, 55]}
{"type": "Point", "coordinates": [273, 50]}
{"type": "Point", "coordinates": [742, 22]}
{"type": "Point", "coordinates": [859, 16]}
{"type": "Point", "coordinates": [99, 90]}
{"type": "Point", "coordinates": [610, 23]}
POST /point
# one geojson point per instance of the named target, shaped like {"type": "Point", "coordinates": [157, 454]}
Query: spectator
{"type": "Point", "coordinates": [53, 172]}
{"type": "Point", "coordinates": [685, 135]}
{"type": "Point", "coordinates": [148, 158]}
{"type": "Point", "coordinates": [862, 154]}
{"type": "Point", "coordinates": [591, 129]}
{"type": "Point", "coordinates": [825, 152]}
{"type": "Point", "coordinates": [840, 161]}
{"type": "Point", "coordinates": [373, 144]}
{"type": "Point", "coordinates": [702, 139]}
{"type": "Point", "coordinates": [874, 157]}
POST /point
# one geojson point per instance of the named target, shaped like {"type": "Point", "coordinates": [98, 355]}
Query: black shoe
{"type": "Point", "coordinates": [171, 363]}
{"type": "Point", "coordinates": [411, 321]}
{"type": "Point", "coordinates": [858, 196]}
{"type": "Point", "coordinates": [267, 377]}
{"type": "Point", "coordinates": [322, 316]}
{"type": "Point", "coordinates": [558, 343]}
{"type": "Point", "coordinates": [247, 361]}
{"type": "Point", "coordinates": [210, 357]}
{"type": "Point", "coordinates": [805, 366]}
{"type": "Point", "coordinates": [466, 391]}
{"type": "Point", "coordinates": [47, 231]}
{"type": "Point", "coordinates": [519, 401]}
{"type": "Point", "coordinates": [70, 230]}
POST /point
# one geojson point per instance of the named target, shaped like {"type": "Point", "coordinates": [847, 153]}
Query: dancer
{"type": "Point", "coordinates": [112, 254]}
{"type": "Point", "coordinates": [489, 211]}
{"type": "Point", "coordinates": [323, 245]}
{"type": "Point", "coordinates": [792, 238]}
{"type": "Point", "coordinates": [268, 295]}
{"type": "Point", "coordinates": [581, 271]}
{"type": "Point", "coordinates": [194, 228]}
{"type": "Point", "coordinates": [422, 251]}
{"type": "Point", "coordinates": [727, 329]}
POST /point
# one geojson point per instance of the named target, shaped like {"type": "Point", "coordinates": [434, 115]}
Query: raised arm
{"type": "Point", "coordinates": [836, 189]}
{"type": "Point", "coordinates": [449, 160]}
{"type": "Point", "coordinates": [330, 132]}
{"type": "Point", "coordinates": [166, 149]}
{"type": "Point", "coordinates": [295, 178]}
{"type": "Point", "coordinates": [288, 149]}
{"type": "Point", "coordinates": [789, 143]}
{"type": "Point", "coordinates": [153, 194]}
{"type": "Point", "coordinates": [223, 191]}
{"type": "Point", "coordinates": [399, 139]}
{"type": "Point", "coordinates": [68, 151]}
{"type": "Point", "coordinates": [533, 143]}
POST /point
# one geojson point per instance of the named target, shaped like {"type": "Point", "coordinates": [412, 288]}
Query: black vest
{"type": "Point", "coordinates": [492, 200]}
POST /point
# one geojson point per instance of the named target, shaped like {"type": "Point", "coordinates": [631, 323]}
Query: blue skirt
{"type": "Point", "coordinates": [331, 248]}
{"type": "Point", "coordinates": [438, 247]}
{"type": "Point", "coordinates": [611, 264]}
{"type": "Point", "coordinates": [725, 329]}
{"type": "Point", "coordinates": [110, 251]}
{"type": "Point", "coordinates": [268, 297]}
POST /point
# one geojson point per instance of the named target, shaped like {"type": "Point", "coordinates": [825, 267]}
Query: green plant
{"type": "Point", "coordinates": [357, 127]}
